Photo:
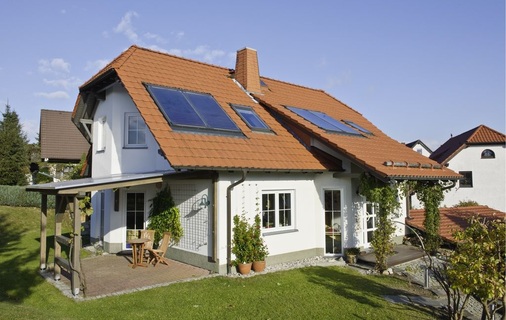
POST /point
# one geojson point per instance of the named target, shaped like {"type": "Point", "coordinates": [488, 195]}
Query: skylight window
{"type": "Point", "coordinates": [190, 110]}
{"type": "Point", "coordinates": [251, 118]}
{"type": "Point", "coordinates": [356, 126]}
{"type": "Point", "coordinates": [324, 121]}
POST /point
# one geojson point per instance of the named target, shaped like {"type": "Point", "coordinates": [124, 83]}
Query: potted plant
{"type": "Point", "coordinates": [242, 244]}
{"type": "Point", "coordinates": [260, 251]}
{"type": "Point", "coordinates": [351, 254]}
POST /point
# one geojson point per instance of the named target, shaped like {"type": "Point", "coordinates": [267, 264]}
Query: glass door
{"type": "Point", "coordinates": [134, 216]}
{"type": "Point", "coordinates": [370, 223]}
{"type": "Point", "coordinates": [333, 222]}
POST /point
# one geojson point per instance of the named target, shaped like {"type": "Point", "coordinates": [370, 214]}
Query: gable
{"type": "Point", "coordinates": [60, 140]}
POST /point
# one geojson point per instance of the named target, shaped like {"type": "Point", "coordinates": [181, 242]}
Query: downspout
{"type": "Point", "coordinates": [229, 219]}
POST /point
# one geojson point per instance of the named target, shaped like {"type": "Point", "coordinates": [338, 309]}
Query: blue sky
{"type": "Point", "coordinates": [416, 69]}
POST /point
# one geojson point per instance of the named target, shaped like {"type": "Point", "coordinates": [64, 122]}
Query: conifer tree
{"type": "Point", "coordinates": [14, 158]}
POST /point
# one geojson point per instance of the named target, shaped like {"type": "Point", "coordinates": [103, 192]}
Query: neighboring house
{"type": "Point", "coordinates": [229, 142]}
{"type": "Point", "coordinates": [60, 141]}
{"type": "Point", "coordinates": [420, 147]}
{"type": "Point", "coordinates": [454, 219]}
{"type": "Point", "coordinates": [479, 155]}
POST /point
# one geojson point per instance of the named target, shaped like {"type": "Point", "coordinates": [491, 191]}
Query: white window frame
{"type": "Point", "coordinates": [374, 208]}
{"type": "Point", "coordinates": [128, 116]}
{"type": "Point", "coordinates": [276, 209]}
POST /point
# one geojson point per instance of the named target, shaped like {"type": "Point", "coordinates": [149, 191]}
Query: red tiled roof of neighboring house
{"type": "Point", "coordinates": [481, 135]}
{"type": "Point", "coordinates": [60, 139]}
{"type": "Point", "coordinates": [280, 150]}
{"type": "Point", "coordinates": [454, 219]}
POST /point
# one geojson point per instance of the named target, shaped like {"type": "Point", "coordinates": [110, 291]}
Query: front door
{"type": "Point", "coordinates": [135, 215]}
{"type": "Point", "coordinates": [333, 222]}
{"type": "Point", "coordinates": [369, 223]}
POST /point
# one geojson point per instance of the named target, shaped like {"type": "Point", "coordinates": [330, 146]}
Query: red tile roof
{"type": "Point", "coordinates": [280, 150]}
{"type": "Point", "coordinates": [454, 219]}
{"type": "Point", "coordinates": [481, 135]}
{"type": "Point", "coordinates": [60, 140]}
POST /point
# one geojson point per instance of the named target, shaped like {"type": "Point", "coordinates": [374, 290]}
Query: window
{"type": "Point", "coordinates": [488, 154]}
{"type": "Point", "coordinates": [135, 131]}
{"type": "Point", "coordinates": [191, 111]}
{"type": "Point", "coordinates": [324, 121]}
{"type": "Point", "coordinates": [101, 134]}
{"type": "Point", "coordinates": [467, 181]}
{"type": "Point", "coordinates": [370, 221]}
{"type": "Point", "coordinates": [251, 118]}
{"type": "Point", "coordinates": [277, 210]}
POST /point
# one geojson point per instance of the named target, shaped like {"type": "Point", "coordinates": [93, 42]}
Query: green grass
{"type": "Point", "coordinates": [307, 293]}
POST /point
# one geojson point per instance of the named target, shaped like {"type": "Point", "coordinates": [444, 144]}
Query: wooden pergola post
{"type": "Point", "coordinates": [75, 261]}
{"type": "Point", "coordinates": [43, 232]}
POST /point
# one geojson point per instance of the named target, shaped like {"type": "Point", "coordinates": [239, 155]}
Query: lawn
{"type": "Point", "coordinates": [307, 293]}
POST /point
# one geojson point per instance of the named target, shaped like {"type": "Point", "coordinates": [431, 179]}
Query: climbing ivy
{"type": "Point", "coordinates": [385, 196]}
{"type": "Point", "coordinates": [430, 193]}
{"type": "Point", "coordinates": [164, 216]}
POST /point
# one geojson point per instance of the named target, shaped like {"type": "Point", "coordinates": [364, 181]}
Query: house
{"type": "Point", "coordinates": [229, 142]}
{"type": "Point", "coordinates": [420, 147]}
{"type": "Point", "coordinates": [454, 219]}
{"type": "Point", "coordinates": [479, 155]}
{"type": "Point", "coordinates": [60, 142]}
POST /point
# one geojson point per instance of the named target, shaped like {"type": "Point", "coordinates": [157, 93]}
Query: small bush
{"type": "Point", "coordinates": [16, 196]}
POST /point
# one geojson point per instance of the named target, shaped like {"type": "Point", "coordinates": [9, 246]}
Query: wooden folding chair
{"type": "Point", "coordinates": [147, 234]}
{"type": "Point", "coordinates": [158, 255]}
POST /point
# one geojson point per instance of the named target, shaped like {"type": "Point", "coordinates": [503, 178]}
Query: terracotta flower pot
{"type": "Point", "coordinates": [244, 268]}
{"type": "Point", "coordinates": [258, 266]}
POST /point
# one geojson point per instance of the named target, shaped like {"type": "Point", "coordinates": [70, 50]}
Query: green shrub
{"type": "Point", "coordinates": [17, 196]}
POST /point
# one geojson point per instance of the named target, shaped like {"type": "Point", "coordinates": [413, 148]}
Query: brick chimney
{"type": "Point", "coordinates": [246, 70]}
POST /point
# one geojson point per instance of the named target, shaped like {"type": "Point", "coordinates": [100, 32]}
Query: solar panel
{"type": "Point", "coordinates": [356, 126]}
{"type": "Point", "coordinates": [324, 121]}
{"type": "Point", "coordinates": [191, 110]}
{"type": "Point", "coordinates": [250, 117]}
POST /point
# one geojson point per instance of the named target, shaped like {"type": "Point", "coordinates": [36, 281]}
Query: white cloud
{"type": "Point", "coordinates": [342, 79]}
{"type": "Point", "coordinates": [68, 83]}
{"type": "Point", "coordinates": [125, 26]}
{"type": "Point", "coordinates": [200, 53]}
{"type": "Point", "coordinates": [31, 128]}
{"type": "Point", "coordinates": [54, 66]}
{"type": "Point", "coordinates": [179, 35]}
{"type": "Point", "coordinates": [155, 37]}
{"type": "Point", "coordinates": [53, 95]}
{"type": "Point", "coordinates": [96, 65]}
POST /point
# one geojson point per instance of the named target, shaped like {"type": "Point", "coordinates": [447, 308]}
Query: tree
{"type": "Point", "coordinates": [14, 158]}
{"type": "Point", "coordinates": [477, 267]}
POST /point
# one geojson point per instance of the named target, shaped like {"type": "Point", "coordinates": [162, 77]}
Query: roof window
{"type": "Point", "coordinates": [198, 112]}
{"type": "Point", "coordinates": [324, 121]}
{"type": "Point", "coordinates": [251, 118]}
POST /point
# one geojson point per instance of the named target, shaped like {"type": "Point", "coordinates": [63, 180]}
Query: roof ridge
{"type": "Point", "coordinates": [181, 57]}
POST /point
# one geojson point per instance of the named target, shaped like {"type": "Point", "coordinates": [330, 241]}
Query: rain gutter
{"type": "Point", "coordinates": [229, 219]}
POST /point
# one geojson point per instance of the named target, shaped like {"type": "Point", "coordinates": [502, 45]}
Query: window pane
{"type": "Point", "coordinates": [250, 117]}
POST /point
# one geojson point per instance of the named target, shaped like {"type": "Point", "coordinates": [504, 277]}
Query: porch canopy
{"type": "Point", "coordinates": [72, 191]}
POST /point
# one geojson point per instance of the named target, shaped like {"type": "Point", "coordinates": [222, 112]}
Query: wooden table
{"type": "Point", "coordinates": [138, 252]}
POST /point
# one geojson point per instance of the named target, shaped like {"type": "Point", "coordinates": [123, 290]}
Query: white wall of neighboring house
{"type": "Point", "coordinates": [421, 149]}
{"type": "Point", "coordinates": [489, 177]}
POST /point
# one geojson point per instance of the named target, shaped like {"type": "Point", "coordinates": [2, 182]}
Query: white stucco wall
{"type": "Point", "coordinates": [115, 158]}
{"type": "Point", "coordinates": [489, 177]}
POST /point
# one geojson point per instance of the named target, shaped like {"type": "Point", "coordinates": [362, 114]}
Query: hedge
{"type": "Point", "coordinates": [17, 196]}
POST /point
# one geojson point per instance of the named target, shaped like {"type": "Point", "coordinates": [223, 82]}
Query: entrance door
{"type": "Point", "coordinates": [134, 215]}
{"type": "Point", "coordinates": [333, 222]}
